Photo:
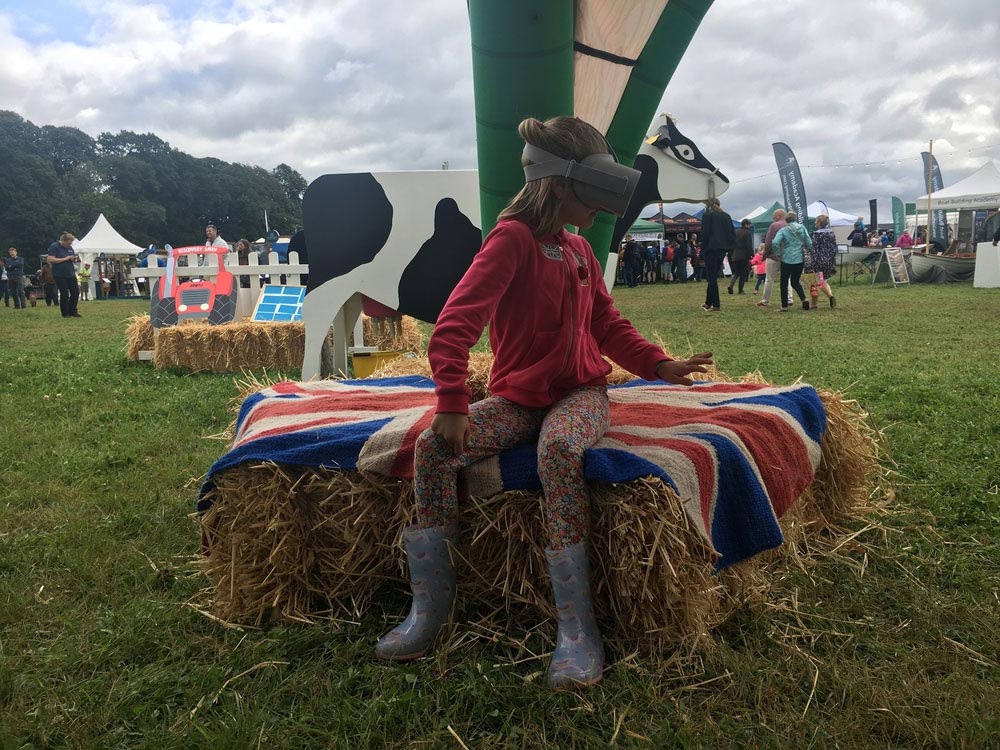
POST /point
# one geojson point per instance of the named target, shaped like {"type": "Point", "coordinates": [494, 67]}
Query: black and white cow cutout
{"type": "Point", "coordinates": [405, 239]}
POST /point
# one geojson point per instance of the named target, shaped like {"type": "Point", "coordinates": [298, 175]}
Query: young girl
{"type": "Point", "coordinates": [759, 267]}
{"type": "Point", "coordinates": [541, 290]}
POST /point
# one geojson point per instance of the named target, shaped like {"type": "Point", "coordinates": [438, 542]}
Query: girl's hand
{"type": "Point", "coordinates": [676, 371]}
{"type": "Point", "coordinates": [454, 428]}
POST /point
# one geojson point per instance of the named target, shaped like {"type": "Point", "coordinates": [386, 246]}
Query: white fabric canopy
{"type": "Point", "coordinates": [981, 189]}
{"type": "Point", "coordinates": [755, 213]}
{"type": "Point", "coordinates": [837, 218]}
{"type": "Point", "coordinates": [103, 238]}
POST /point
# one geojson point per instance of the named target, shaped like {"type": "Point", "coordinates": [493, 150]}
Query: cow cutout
{"type": "Point", "coordinates": [405, 239]}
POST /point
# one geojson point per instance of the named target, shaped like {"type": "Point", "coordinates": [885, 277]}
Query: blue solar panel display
{"type": "Point", "coordinates": [279, 304]}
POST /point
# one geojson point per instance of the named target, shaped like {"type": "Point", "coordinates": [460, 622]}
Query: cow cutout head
{"type": "Point", "coordinates": [671, 141]}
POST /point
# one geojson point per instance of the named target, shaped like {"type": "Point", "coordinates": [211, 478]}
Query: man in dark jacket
{"type": "Point", "coordinates": [740, 257]}
{"type": "Point", "coordinates": [633, 261]}
{"type": "Point", "coordinates": [717, 239]}
{"type": "Point", "coordinates": [680, 259]}
{"type": "Point", "coordinates": [15, 278]}
{"type": "Point", "coordinates": [62, 257]}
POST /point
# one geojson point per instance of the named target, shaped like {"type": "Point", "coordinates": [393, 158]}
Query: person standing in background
{"type": "Point", "coordinates": [718, 239]}
{"type": "Point", "coordinates": [48, 285]}
{"type": "Point", "coordinates": [740, 257]}
{"type": "Point", "coordinates": [772, 264]}
{"type": "Point", "coordinates": [83, 279]}
{"type": "Point", "coordinates": [680, 260]}
{"type": "Point", "coordinates": [62, 257]}
{"type": "Point", "coordinates": [212, 239]}
{"type": "Point", "coordinates": [821, 261]}
{"type": "Point", "coordinates": [759, 267]}
{"type": "Point", "coordinates": [790, 246]}
{"type": "Point", "coordinates": [15, 278]}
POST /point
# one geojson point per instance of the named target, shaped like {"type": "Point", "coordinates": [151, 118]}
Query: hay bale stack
{"type": "Point", "coordinates": [139, 337]}
{"type": "Point", "coordinates": [338, 541]}
{"type": "Point", "coordinates": [232, 347]}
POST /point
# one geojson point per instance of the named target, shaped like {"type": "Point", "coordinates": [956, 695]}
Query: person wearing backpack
{"type": "Point", "coordinates": [790, 245]}
{"type": "Point", "coordinates": [633, 261]}
{"type": "Point", "coordinates": [666, 259]}
{"type": "Point", "coordinates": [652, 253]}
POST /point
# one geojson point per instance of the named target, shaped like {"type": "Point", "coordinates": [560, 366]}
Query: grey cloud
{"type": "Point", "coordinates": [355, 85]}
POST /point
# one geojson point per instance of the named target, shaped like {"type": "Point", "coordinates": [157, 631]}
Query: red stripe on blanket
{"type": "Point", "coordinates": [772, 441]}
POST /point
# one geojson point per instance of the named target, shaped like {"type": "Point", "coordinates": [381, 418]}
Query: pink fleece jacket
{"type": "Point", "coordinates": [550, 321]}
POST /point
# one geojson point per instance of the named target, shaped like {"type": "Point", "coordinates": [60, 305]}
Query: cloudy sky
{"type": "Point", "coordinates": [345, 85]}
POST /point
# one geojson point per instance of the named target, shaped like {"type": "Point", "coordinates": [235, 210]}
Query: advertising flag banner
{"type": "Point", "coordinates": [938, 221]}
{"type": "Point", "coordinates": [873, 210]}
{"type": "Point", "coordinates": [898, 217]}
{"type": "Point", "coordinates": [792, 190]}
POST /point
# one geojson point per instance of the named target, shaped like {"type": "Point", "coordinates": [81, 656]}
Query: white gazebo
{"type": "Point", "coordinates": [103, 238]}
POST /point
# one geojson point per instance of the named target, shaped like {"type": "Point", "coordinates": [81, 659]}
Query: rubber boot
{"type": "Point", "coordinates": [833, 302]}
{"type": "Point", "coordinates": [578, 660]}
{"type": "Point", "coordinates": [432, 580]}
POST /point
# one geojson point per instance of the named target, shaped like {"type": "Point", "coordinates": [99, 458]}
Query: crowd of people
{"type": "Point", "coordinates": [60, 279]}
{"type": "Point", "coordinates": [63, 281]}
{"type": "Point", "coordinates": [789, 255]}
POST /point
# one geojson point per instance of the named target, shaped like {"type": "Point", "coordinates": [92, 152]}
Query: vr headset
{"type": "Point", "coordinates": [598, 181]}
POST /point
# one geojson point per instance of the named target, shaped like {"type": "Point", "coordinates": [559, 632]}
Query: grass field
{"type": "Point", "coordinates": [894, 646]}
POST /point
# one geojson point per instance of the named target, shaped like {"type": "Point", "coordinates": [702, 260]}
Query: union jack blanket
{"type": "Point", "coordinates": [737, 454]}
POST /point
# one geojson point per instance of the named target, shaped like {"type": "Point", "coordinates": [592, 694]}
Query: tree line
{"type": "Point", "coordinates": [59, 179]}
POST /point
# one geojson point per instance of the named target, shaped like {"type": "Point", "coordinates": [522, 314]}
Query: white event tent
{"type": "Point", "coordinates": [837, 218]}
{"type": "Point", "coordinates": [755, 213]}
{"type": "Point", "coordinates": [981, 189]}
{"type": "Point", "coordinates": [103, 238]}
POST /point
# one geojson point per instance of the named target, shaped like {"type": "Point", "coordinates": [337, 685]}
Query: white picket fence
{"type": "Point", "coordinates": [291, 273]}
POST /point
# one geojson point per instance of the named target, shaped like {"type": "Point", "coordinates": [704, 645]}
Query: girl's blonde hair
{"type": "Point", "coordinates": [822, 221]}
{"type": "Point", "coordinates": [537, 204]}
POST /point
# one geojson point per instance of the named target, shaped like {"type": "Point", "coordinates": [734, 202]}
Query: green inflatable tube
{"type": "Point", "coordinates": [652, 72]}
{"type": "Point", "coordinates": [522, 66]}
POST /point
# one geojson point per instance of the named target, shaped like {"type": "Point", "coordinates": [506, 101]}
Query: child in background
{"type": "Point", "coordinates": [550, 318]}
{"type": "Point", "coordinates": [759, 265]}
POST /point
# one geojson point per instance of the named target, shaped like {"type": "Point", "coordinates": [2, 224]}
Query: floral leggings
{"type": "Point", "coordinates": [564, 431]}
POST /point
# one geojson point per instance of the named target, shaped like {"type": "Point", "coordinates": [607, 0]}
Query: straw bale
{"type": "Point", "coordinates": [298, 544]}
{"type": "Point", "coordinates": [305, 545]}
{"type": "Point", "coordinates": [138, 336]}
{"type": "Point", "coordinates": [407, 337]}
{"type": "Point", "coordinates": [232, 347]}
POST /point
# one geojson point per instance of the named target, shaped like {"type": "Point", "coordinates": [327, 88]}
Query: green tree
{"type": "Point", "coordinates": [292, 183]}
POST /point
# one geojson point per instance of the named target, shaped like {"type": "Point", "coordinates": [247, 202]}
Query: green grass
{"type": "Point", "coordinates": [895, 646]}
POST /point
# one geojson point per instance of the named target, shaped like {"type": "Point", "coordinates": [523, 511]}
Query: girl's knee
{"type": "Point", "coordinates": [430, 444]}
{"type": "Point", "coordinates": [558, 450]}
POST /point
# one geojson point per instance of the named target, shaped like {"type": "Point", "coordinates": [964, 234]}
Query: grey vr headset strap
{"type": "Point", "coordinates": [548, 165]}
